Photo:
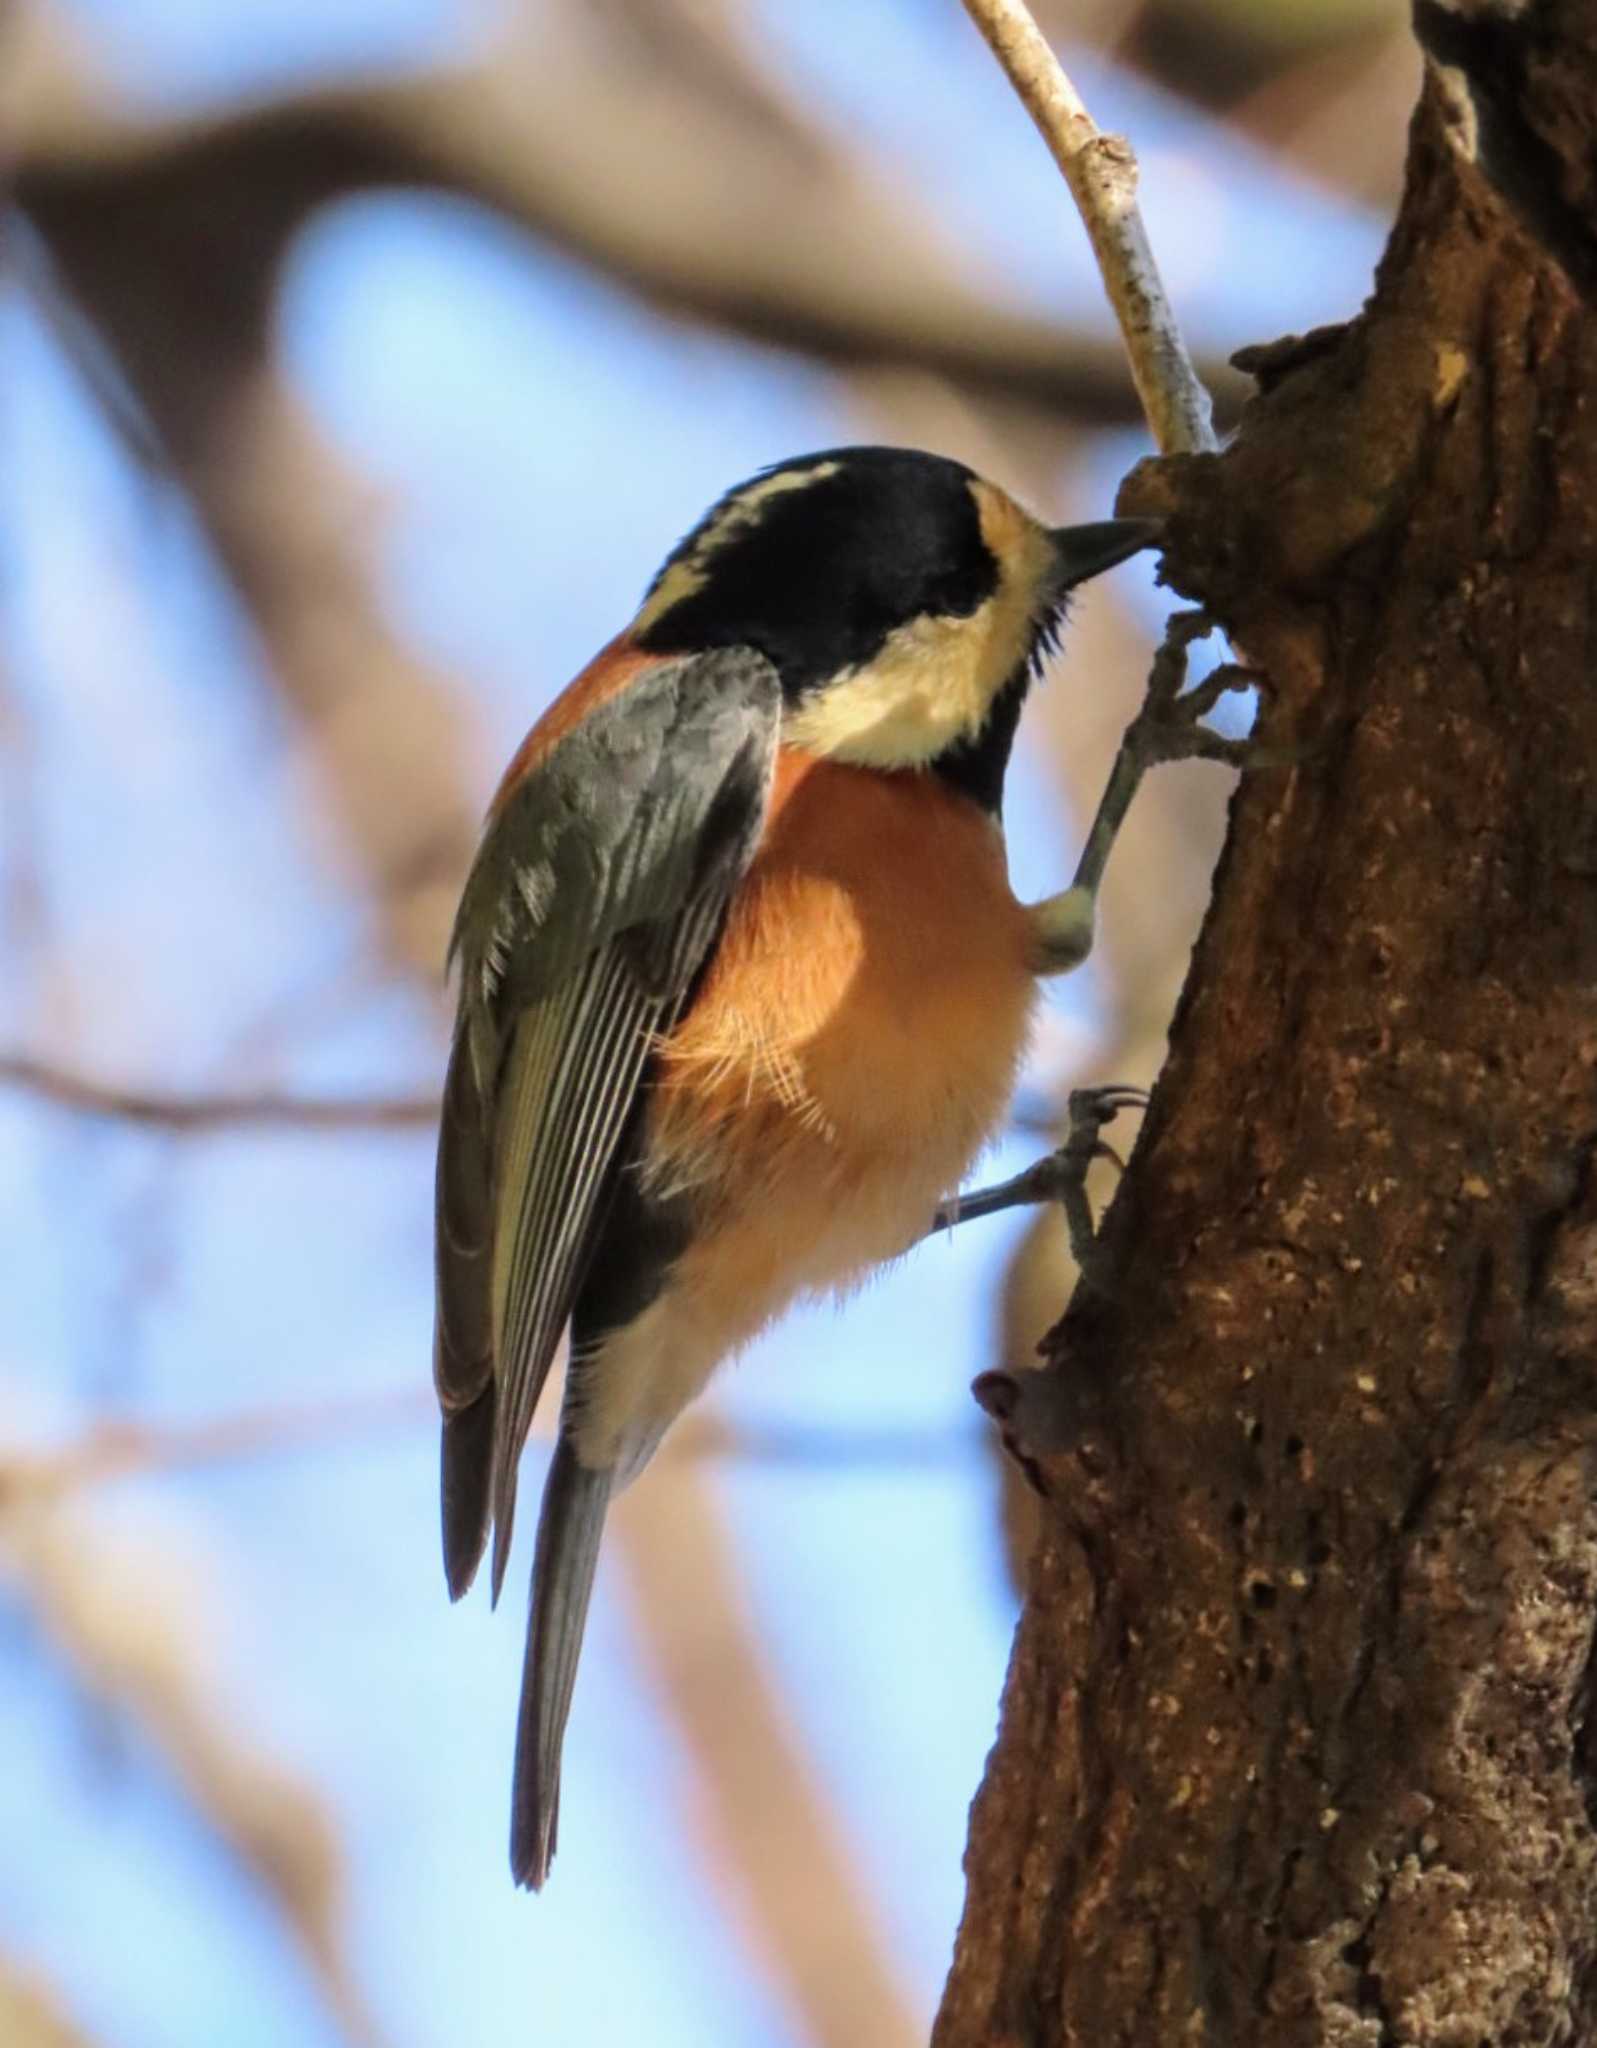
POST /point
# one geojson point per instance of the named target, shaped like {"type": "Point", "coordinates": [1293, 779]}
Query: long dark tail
{"type": "Point", "coordinates": [569, 1527]}
{"type": "Point", "coordinates": [466, 1462]}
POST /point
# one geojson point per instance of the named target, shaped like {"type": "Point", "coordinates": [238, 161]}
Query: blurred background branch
{"type": "Point", "coordinates": [114, 1448]}
{"type": "Point", "coordinates": [651, 171]}
{"type": "Point", "coordinates": [125, 1625]}
{"type": "Point", "coordinates": [210, 1112]}
{"type": "Point", "coordinates": [30, 2016]}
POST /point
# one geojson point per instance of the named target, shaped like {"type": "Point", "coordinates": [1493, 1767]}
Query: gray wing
{"type": "Point", "coordinates": [593, 902]}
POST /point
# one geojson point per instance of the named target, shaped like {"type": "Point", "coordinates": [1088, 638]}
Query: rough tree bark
{"type": "Point", "coordinates": [1298, 1743]}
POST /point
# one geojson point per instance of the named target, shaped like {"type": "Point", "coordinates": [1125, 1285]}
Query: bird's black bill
{"type": "Point", "coordinates": [1086, 551]}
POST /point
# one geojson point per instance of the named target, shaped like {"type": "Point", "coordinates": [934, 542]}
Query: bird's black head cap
{"type": "Point", "coordinates": [903, 601]}
{"type": "Point", "coordinates": [816, 562]}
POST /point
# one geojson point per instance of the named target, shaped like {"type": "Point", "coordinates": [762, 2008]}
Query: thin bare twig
{"type": "Point", "coordinates": [1101, 172]}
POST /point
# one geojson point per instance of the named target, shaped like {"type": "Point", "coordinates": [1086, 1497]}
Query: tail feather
{"type": "Point", "coordinates": [466, 1461]}
{"type": "Point", "coordinates": [569, 1527]}
{"type": "Point", "coordinates": [463, 1353]}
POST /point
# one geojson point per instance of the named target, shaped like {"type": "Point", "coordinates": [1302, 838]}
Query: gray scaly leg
{"type": "Point", "coordinates": [1062, 1176]}
{"type": "Point", "coordinates": [1169, 727]}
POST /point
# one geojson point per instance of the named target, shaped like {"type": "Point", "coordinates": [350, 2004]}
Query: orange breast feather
{"type": "Point", "coordinates": [856, 1039]}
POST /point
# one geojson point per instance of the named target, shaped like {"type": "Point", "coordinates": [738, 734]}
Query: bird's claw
{"type": "Point", "coordinates": [1062, 1175]}
{"type": "Point", "coordinates": [1087, 1111]}
{"type": "Point", "coordinates": [1170, 727]}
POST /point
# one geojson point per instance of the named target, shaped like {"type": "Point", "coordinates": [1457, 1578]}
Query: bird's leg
{"type": "Point", "coordinates": [1062, 1176]}
{"type": "Point", "coordinates": [1169, 727]}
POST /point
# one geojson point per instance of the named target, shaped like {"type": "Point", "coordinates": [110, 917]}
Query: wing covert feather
{"type": "Point", "coordinates": [594, 900]}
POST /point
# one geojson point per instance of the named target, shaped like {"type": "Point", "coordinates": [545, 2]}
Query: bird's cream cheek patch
{"type": "Point", "coordinates": [934, 681]}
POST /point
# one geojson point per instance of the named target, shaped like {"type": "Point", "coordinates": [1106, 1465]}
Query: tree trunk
{"type": "Point", "coordinates": [1295, 1743]}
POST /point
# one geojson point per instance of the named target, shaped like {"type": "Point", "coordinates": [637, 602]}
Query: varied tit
{"type": "Point", "coordinates": [743, 988]}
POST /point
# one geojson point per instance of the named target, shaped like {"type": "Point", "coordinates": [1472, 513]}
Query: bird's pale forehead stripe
{"type": "Point", "coordinates": [744, 508]}
{"type": "Point", "coordinates": [683, 578]}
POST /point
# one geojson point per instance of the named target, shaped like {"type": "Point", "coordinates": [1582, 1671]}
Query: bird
{"type": "Point", "coordinates": [742, 987]}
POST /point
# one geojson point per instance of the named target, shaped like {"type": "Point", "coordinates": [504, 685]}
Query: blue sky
{"type": "Point", "coordinates": [494, 393]}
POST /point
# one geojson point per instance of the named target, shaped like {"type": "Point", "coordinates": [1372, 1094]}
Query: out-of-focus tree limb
{"type": "Point", "coordinates": [671, 192]}
{"type": "Point", "coordinates": [1341, 117]}
{"type": "Point", "coordinates": [115, 1448]}
{"type": "Point", "coordinates": [120, 1626]}
{"type": "Point", "coordinates": [22, 901]}
{"type": "Point", "coordinates": [31, 2014]}
{"type": "Point", "coordinates": [204, 1112]}
{"type": "Point", "coordinates": [176, 275]}
{"type": "Point", "coordinates": [779, 1860]}
{"type": "Point", "coordinates": [120, 1617]}
{"type": "Point", "coordinates": [209, 1112]}
{"type": "Point", "coordinates": [382, 731]}
{"type": "Point", "coordinates": [1326, 89]}
{"type": "Point", "coordinates": [710, 50]}
{"type": "Point", "coordinates": [1217, 52]}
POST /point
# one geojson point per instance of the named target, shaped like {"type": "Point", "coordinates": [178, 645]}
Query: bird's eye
{"type": "Point", "coordinates": [959, 591]}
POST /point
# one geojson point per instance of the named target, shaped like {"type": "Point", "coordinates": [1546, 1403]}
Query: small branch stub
{"type": "Point", "coordinates": [1101, 172]}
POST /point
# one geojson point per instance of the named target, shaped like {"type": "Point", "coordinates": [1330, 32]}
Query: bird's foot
{"type": "Point", "coordinates": [1170, 726]}
{"type": "Point", "coordinates": [1061, 1176]}
{"type": "Point", "coordinates": [1087, 1111]}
